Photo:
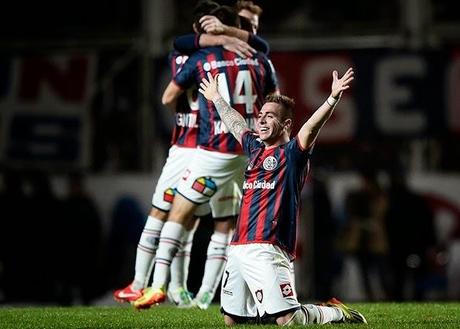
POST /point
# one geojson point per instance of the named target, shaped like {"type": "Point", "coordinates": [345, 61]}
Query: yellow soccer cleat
{"type": "Point", "coordinates": [150, 298]}
{"type": "Point", "coordinates": [349, 315]}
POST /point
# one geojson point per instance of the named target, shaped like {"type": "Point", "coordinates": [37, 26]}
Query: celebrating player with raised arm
{"type": "Point", "coordinates": [258, 277]}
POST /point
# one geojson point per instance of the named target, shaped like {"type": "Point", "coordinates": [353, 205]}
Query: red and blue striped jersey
{"type": "Point", "coordinates": [272, 184]}
{"type": "Point", "coordinates": [187, 114]}
{"type": "Point", "coordinates": [243, 83]}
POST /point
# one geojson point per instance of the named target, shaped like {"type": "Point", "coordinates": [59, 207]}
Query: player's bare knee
{"type": "Point", "coordinates": [224, 225]}
{"type": "Point", "coordinates": [182, 210]}
{"type": "Point", "coordinates": [192, 224]}
{"type": "Point", "coordinates": [229, 320]}
{"type": "Point", "coordinates": [158, 214]}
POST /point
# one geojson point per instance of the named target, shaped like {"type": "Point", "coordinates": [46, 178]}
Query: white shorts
{"type": "Point", "coordinates": [258, 280]}
{"type": "Point", "coordinates": [172, 172]}
{"type": "Point", "coordinates": [215, 177]}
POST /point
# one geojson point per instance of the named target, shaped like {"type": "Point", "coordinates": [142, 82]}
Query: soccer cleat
{"type": "Point", "coordinates": [127, 294]}
{"type": "Point", "coordinates": [181, 297]}
{"type": "Point", "coordinates": [203, 301]}
{"type": "Point", "coordinates": [349, 315]}
{"type": "Point", "coordinates": [150, 298]}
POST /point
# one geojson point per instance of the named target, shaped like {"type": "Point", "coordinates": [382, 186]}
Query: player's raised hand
{"type": "Point", "coordinates": [211, 24]}
{"type": "Point", "coordinates": [339, 85]}
{"type": "Point", "coordinates": [209, 87]}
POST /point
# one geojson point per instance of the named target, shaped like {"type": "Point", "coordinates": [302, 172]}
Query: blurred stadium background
{"type": "Point", "coordinates": [83, 137]}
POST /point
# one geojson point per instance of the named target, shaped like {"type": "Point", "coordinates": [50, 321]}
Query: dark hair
{"type": "Point", "coordinates": [248, 5]}
{"type": "Point", "coordinates": [227, 15]}
{"type": "Point", "coordinates": [202, 8]}
{"type": "Point", "coordinates": [286, 102]}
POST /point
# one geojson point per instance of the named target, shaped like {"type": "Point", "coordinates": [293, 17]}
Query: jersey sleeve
{"type": "Point", "coordinates": [174, 64]}
{"type": "Point", "coordinates": [185, 77]}
{"type": "Point", "coordinates": [249, 142]}
{"type": "Point", "coordinates": [187, 44]}
{"type": "Point", "coordinates": [297, 153]}
{"type": "Point", "coordinates": [258, 43]}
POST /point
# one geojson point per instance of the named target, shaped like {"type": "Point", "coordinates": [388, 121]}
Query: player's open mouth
{"type": "Point", "coordinates": [263, 129]}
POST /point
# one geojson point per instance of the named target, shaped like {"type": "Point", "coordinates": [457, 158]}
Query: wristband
{"type": "Point", "coordinates": [332, 101]}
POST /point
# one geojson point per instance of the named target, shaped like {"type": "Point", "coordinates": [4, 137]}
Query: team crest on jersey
{"type": "Point", "coordinates": [270, 163]}
{"type": "Point", "coordinates": [168, 194]}
{"type": "Point", "coordinates": [260, 295]}
{"type": "Point", "coordinates": [205, 186]}
{"type": "Point", "coordinates": [286, 290]}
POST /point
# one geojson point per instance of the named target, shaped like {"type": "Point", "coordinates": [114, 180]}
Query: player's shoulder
{"type": "Point", "coordinates": [177, 57]}
{"type": "Point", "coordinates": [204, 53]}
{"type": "Point", "coordinates": [251, 140]}
{"type": "Point", "coordinates": [251, 136]}
{"type": "Point", "coordinates": [208, 50]}
{"type": "Point", "coordinates": [261, 56]}
{"type": "Point", "coordinates": [293, 145]}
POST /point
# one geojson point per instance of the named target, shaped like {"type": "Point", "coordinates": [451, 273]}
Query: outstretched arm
{"type": "Point", "coordinates": [171, 94]}
{"type": "Point", "coordinates": [231, 117]}
{"type": "Point", "coordinates": [310, 130]}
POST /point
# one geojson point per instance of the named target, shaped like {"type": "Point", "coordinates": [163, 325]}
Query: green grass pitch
{"type": "Point", "coordinates": [379, 315]}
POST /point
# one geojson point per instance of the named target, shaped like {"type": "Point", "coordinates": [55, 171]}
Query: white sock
{"type": "Point", "coordinates": [298, 318]}
{"type": "Point", "coordinates": [321, 314]}
{"type": "Point", "coordinates": [181, 262]}
{"type": "Point", "coordinates": [215, 263]}
{"type": "Point", "coordinates": [146, 250]}
{"type": "Point", "coordinates": [170, 242]}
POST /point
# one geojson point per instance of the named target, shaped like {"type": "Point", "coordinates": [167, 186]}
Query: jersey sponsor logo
{"type": "Point", "coordinates": [227, 292]}
{"type": "Point", "coordinates": [235, 62]}
{"type": "Point", "coordinates": [270, 163]}
{"type": "Point", "coordinates": [205, 186]}
{"type": "Point", "coordinates": [259, 185]}
{"type": "Point", "coordinates": [286, 290]}
{"type": "Point", "coordinates": [181, 59]}
{"type": "Point", "coordinates": [260, 295]}
{"type": "Point", "coordinates": [168, 194]}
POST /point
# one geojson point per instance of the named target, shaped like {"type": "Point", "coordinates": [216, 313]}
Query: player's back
{"type": "Point", "coordinates": [243, 82]}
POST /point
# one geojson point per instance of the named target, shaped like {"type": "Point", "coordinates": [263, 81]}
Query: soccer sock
{"type": "Point", "coordinates": [180, 263]}
{"type": "Point", "coordinates": [321, 314]}
{"type": "Point", "coordinates": [170, 242]}
{"type": "Point", "coordinates": [299, 317]}
{"type": "Point", "coordinates": [188, 253]}
{"type": "Point", "coordinates": [215, 263]}
{"type": "Point", "coordinates": [146, 249]}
